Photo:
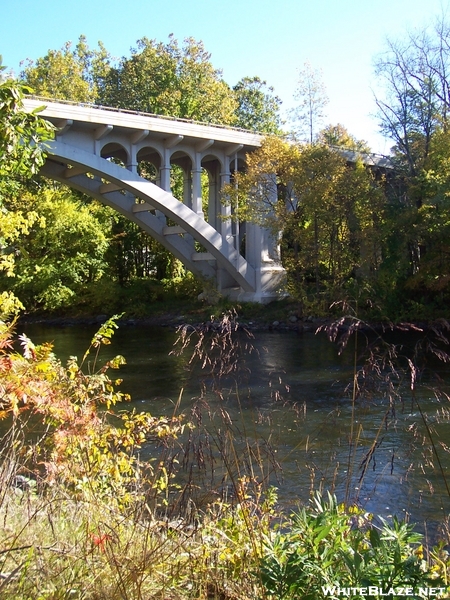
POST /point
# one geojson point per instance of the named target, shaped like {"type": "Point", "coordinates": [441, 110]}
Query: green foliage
{"type": "Point", "coordinates": [414, 74]}
{"type": "Point", "coordinates": [258, 108]}
{"type": "Point", "coordinates": [330, 215]}
{"type": "Point", "coordinates": [139, 297]}
{"type": "Point", "coordinates": [337, 135]}
{"type": "Point", "coordinates": [81, 447]}
{"type": "Point", "coordinates": [128, 253]}
{"type": "Point", "coordinates": [187, 286]}
{"type": "Point", "coordinates": [61, 252]}
{"type": "Point", "coordinates": [430, 225]}
{"type": "Point", "coordinates": [96, 502]}
{"type": "Point", "coordinates": [339, 232]}
{"type": "Point", "coordinates": [413, 113]}
{"type": "Point", "coordinates": [413, 281]}
{"type": "Point", "coordinates": [21, 154]}
{"type": "Point", "coordinates": [21, 134]}
{"type": "Point", "coordinates": [68, 74]}
{"type": "Point", "coordinates": [96, 519]}
{"type": "Point", "coordinates": [330, 547]}
{"type": "Point", "coordinates": [170, 80]}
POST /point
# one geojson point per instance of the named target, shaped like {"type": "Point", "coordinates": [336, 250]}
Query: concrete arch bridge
{"type": "Point", "coordinates": [98, 151]}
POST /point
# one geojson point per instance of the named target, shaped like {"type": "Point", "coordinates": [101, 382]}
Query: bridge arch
{"type": "Point", "coordinates": [71, 166]}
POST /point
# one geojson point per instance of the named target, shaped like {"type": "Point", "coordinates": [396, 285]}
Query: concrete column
{"type": "Point", "coordinates": [272, 240]}
{"type": "Point", "coordinates": [132, 163]}
{"type": "Point", "coordinates": [187, 188]}
{"type": "Point", "coordinates": [213, 201]}
{"type": "Point", "coordinates": [225, 209]}
{"type": "Point", "coordinates": [262, 246]}
{"type": "Point", "coordinates": [187, 200]}
{"type": "Point", "coordinates": [197, 203]}
{"type": "Point", "coordinates": [135, 138]}
{"type": "Point", "coordinates": [197, 200]}
{"type": "Point", "coordinates": [236, 224]}
{"type": "Point", "coordinates": [164, 171]}
{"type": "Point", "coordinates": [163, 180]}
{"type": "Point", "coordinates": [273, 246]}
{"type": "Point", "coordinates": [254, 245]}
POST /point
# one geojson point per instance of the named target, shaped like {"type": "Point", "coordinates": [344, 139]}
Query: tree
{"type": "Point", "coordinates": [416, 101]}
{"type": "Point", "coordinates": [312, 99]}
{"type": "Point", "coordinates": [170, 80]}
{"type": "Point", "coordinates": [21, 135]}
{"type": "Point", "coordinates": [430, 225]}
{"type": "Point", "coordinates": [68, 74]}
{"type": "Point", "coordinates": [258, 108]}
{"type": "Point", "coordinates": [63, 251]}
{"type": "Point", "coordinates": [337, 135]}
{"type": "Point", "coordinates": [328, 214]}
{"type": "Point", "coordinates": [414, 113]}
{"type": "Point", "coordinates": [21, 155]}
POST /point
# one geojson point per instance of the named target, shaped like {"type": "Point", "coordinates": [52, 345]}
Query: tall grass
{"type": "Point", "coordinates": [390, 375]}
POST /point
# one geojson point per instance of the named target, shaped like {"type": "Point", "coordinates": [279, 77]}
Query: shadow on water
{"type": "Point", "coordinates": [294, 394]}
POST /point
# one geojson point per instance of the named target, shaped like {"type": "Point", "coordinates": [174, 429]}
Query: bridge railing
{"type": "Point", "coordinates": [369, 158]}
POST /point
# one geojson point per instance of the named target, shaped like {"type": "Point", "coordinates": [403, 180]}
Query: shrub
{"type": "Point", "coordinates": [80, 443]}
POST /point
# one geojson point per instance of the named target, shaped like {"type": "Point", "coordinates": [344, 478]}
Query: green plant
{"type": "Point", "coordinates": [81, 443]}
{"type": "Point", "coordinates": [328, 547]}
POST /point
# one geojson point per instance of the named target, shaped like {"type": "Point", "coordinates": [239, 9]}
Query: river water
{"type": "Point", "coordinates": [291, 396]}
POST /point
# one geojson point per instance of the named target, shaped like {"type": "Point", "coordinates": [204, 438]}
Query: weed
{"type": "Point", "coordinates": [330, 546]}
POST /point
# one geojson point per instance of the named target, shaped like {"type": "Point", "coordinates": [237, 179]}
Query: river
{"type": "Point", "coordinates": [292, 398]}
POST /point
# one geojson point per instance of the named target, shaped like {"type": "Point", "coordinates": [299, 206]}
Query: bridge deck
{"type": "Point", "coordinates": [93, 116]}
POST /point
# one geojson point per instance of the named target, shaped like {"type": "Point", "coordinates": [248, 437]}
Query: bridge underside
{"type": "Point", "coordinates": [150, 207]}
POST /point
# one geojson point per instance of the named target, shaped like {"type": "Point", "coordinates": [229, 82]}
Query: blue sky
{"type": "Point", "coordinates": [271, 39]}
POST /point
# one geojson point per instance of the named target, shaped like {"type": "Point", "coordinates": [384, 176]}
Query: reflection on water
{"type": "Point", "coordinates": [293, 394]}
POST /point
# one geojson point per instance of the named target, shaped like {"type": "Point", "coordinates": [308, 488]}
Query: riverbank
{"type": "Point", "coordinates": [282, 315]}
{"type": "Point", "coordinates": [175, 320]}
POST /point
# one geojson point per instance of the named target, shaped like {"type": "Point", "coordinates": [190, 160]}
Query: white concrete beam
{"type": "Point", "coordinates": [139, 136]}
{"type": "Point", "coordinates": [202, 146]}
{"type": "Point", "coordinates": [63, 126]}
{"type": "Point", "coordinates": [175, 229]}
{"type": "Point", "coordinates": [142, 207]}
{"type": "Point", "coordinates": [74, 172]}
{"type": "Point", "coordinates": [163, 127]}
{"type": "Point", "coordinates": [233, 148]}
{"type": "Point", "coordinates": [173, 141]}
{"type": "Point", "coordinates": [102, 132]}
{"type": "Point", "coordinates": [198, 256]}
{"type": "Point", "coordinates": [106, 188]}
